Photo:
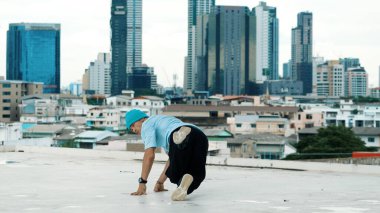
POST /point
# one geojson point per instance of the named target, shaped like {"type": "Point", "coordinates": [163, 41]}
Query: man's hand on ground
{"type": "Point", "coordinates": [141, 190]}
{"type": "Point", "coordinates": [159, 187]}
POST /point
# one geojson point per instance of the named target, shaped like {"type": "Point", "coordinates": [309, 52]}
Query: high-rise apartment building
{"type": "Point", "coordinates": [302, 50]}
{"type": "Point", "coordinates": [10, 97]}
{"type": "Point", "coordinates": [357, 80]}
{"type": "Point", "coordinates": [330, 79]}
{"type": "Point", "coordinates": [195, 8]}
{"type": "Point", "coordinates": [126, 41]}
{"type": "Point", "coordinates": [267, 42]}
{"type": "Point", "coordinates": [99, 78]}
{"type": "Point", "coordinates": [33, 54]}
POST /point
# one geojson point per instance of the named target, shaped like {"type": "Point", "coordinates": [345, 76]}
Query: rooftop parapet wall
{"type": "Point", "coordinates": [219, 161]}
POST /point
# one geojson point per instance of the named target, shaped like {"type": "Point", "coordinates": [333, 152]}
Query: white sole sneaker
{"type": "Point", "coordinates": [181, 134]}
{"type": "Point", "coordinates": [181, 192]}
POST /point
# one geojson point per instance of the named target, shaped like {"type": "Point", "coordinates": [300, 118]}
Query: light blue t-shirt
{"type": "Point", "coordinates": [156, 130]}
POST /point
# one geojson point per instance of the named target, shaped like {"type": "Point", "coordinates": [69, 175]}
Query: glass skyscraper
{"type": "Point", "coordinates": [229, 58]}
{"type": "Point", "coordinates": [195, 8]}
{"type": "Point", "coordinates": [126, 41]}
{"type": "Point", "coordinates": [267, 42]}
{"type": "Point", "coordinates": [302, 51]}
{"type": "Point", "coordinates": [33, 54]}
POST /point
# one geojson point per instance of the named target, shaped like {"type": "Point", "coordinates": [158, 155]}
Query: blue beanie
{"type": "Point", "coordinates": [132, 116]}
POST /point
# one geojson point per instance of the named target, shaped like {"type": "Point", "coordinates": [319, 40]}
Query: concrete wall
{"type": "Point", "coordinates": [218, 161]}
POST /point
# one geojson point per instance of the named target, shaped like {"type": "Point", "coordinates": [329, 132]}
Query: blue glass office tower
{"type": "Point", "coordinates": [126, 41]}
{"type": "Point", "coordinates": [33, 54]}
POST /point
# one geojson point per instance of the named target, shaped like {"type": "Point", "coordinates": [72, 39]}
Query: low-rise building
{"type": "Point", "coordinates": [89, 139]}
{"type": "Point", "coordinates": [11, 93]}
{"type": "Point", "coordinates": [248, 124]}
{"type": "Point", "coordinates": [103, 118]}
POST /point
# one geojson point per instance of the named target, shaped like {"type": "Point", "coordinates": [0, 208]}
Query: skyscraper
{"type": "Point", "coordinates": [267, 43]}
{"type": "Point", "coordinates": [99, 74]}
{"type": "Point", "coordinates": [195, 8]}
{"type": "Point", "coordinates": [230, 53]}
{"type": "Point", "coordinates": [302, 50]}
{"type": "Point", "coordinates": [126, 41]}
{"type": "Point", "coordinates": [33, 54]}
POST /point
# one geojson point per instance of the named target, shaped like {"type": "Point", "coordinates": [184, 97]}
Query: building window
{"type": "Point", "coordinates": [371, 139]}
{"type": "Point", "coordinates": [6, 100]}
{"type": "Point", "coordinates": [6, 116]}
{"type": "Point", "coordinates": [309, 125]}
{"type": "Point", "coordinates": [309, 116]}
{"type": "Point", "coordinates": [281, 126]}
{"type": "Point", "coordinates": [6, 85]}
{"type": "Point", "coordinates": [6, 93]}
{"type": "Point", "coordinates": [6, 108]}
{"type": "Point", "coordinates": [299, 117]}
{"type": "Point", "coordinates": [238, 125]}
{"type": "Point", "coordinates": [253, 125]}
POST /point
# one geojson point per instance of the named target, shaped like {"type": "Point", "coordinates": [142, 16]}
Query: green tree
{"type": "Point", "coordinates": [330, 142]}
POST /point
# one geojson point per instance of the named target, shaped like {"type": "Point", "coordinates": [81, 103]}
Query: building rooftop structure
{"type": "Point", "coordinates": [71, 180]}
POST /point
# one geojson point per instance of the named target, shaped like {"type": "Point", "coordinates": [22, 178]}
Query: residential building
{"type": "Point", "coordinates": [330, 79]}
{"type": "Point", "coordinates": [316, 62]}
{"type": "Point", "coordinates": [44, 131]}
{"type": "Point", "coordinates": [350, 115]}
{"type": "Point", "coordinates": [357, 82]}
{"type": "Point", "coordinates": [154, 104]}
{"type": "Point", "coordinates": [119, 101]}
{"type": "Point", "coordinates": [90, 139]}
{"type": "Point", "coordinates": [308, 116]}
{"type": "Point", "coordinates": [35, 110]}
{"type": "Point", "coordinates": [126, 41]}
{"type": "Point", "coordinates": [263, 146]}
{"type": "Point", "coordinates": [33, 54]}
{"type": "Point", "coordinates": [302, 51]}
{"type": "Point", "coordinates": [99, 79]}
{"type": "Point", "coordinates": [249, 124]}
{"type": "Point", "coordinates": [10, 97]}
{"type": "Point", "coordinates": [196, 8]}
{"type": "Point", "coordinates": [104, 118]}
{"type": "Point", "coordinates": [267, 37]}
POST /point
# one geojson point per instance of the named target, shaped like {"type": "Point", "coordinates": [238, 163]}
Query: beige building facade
{"type": "Point", "coordinates": [10, 97]}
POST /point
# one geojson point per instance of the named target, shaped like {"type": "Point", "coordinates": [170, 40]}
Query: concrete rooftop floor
{"type": "Point", "coordinates": [35, 182]}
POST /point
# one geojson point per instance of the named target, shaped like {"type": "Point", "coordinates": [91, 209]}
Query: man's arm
{"type": "Point", "coordinates": [159, 187]}
{"type": "Point", "coordinates": [146, 167]}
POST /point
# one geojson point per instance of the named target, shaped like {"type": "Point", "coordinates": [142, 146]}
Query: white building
{"type": "Point", "coordinates": [330, 79]}
{"type": "Point", "coordinates": [103, 117]}
{"type": "Point", "coordinates": [119, 101]}
{"type": "Point", "coordinates": [99, 74]}
{"type": "Point", "coordinates": [267, 43]}
{"type": "Point", "coordinates": [152, 103]}
{"type": "Point", "coordinates": [357, 82]}
{"type": "Point", "coordinates": [350, 115]}
{"type": "Point", "coordinates": [10, 132]}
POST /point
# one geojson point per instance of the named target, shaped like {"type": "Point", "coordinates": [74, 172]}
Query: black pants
{"type": "Point", "coordinates": [188, 158]}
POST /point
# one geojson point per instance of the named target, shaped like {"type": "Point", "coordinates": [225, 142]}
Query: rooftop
{"type": "Point", "coordinates": [57, 182]}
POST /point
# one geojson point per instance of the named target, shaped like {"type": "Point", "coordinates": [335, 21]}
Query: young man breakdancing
{"type": "Point", "coordinates": [185, 144]}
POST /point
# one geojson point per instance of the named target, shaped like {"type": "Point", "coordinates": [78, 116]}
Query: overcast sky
{"type": "Point", "coordinates": [342, 28]}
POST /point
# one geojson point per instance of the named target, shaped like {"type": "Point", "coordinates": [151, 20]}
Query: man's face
{"type": "Point", "coordinates": [136, 127]}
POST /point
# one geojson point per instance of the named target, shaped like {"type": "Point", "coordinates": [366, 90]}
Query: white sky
{"type": "Point", "coordinates": [342, 28]}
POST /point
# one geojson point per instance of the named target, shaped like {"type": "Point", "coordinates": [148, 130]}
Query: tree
{"type": "Point", "coordinates": [330, 142]}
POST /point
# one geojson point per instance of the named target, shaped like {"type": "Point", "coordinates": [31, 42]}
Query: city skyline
{"type": "Point", "coordinates": [85, 33]}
